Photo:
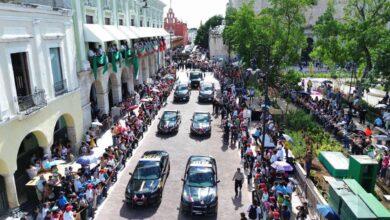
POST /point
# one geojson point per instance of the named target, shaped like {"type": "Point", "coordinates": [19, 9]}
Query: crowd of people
{"type": "Point", "coordinates": [271, 185]}
{"type": "Point", "coordinates": [330, 112]}
{"type": "Point", "coordinates": [75, 189]}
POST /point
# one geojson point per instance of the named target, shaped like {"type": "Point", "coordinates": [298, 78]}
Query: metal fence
{"type": "Point", "coordinates": [33, 102]}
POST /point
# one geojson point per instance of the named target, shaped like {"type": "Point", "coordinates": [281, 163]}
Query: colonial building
{"type": "Point", "coordinates": [119, 45]}
{"type": "Point", "coordinates": [39, 90]}
{"type": "Point", "coordinates": [177, 28]}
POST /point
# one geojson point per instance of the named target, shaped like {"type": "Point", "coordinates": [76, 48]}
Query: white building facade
{"type": "Point", "coordinates": [218, 50]}
{"type": "Point", "coordinates": [39, 92]}
{"type": "Point", "coordinates": [117, 22]}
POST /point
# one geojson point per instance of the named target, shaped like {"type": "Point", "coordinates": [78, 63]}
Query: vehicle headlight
{"type": "Point", "coordinates": [187, 197]}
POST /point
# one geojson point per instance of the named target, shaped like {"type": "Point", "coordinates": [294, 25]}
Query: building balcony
{"type": "Point", "coordinates": [60, 87]}
{"type": "Point", "coordinates": [90, 3]}
{"type": "Point", "coordinates": [33, 102]}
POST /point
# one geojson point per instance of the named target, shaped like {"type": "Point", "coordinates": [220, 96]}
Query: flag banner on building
{"type": "Point", "coordinates": [135, 64]}
{"type": "Point", "coordinates": [141, 51]}
{"type": "Point", "coordinates": [99, 61]}
{"type": "Point", "coordinates": [161, 46]}
{"type": "Point", "coordinates": [116, 57]}
{"type": "Point", "coordinates": [128, 55]}
{"type": "Point", "coordinates": [155, 46]}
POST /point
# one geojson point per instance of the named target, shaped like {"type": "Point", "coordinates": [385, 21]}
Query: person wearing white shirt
{"type": "Point", "coordinates": [91, 53]}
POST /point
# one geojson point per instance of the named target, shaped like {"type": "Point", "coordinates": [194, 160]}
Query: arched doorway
{"type": "Point", "coordinates": [64, 135]}
{"type": "Point", "coordinates": [125, 78]}
{"type": "Point", "coordinates": [30, 152]}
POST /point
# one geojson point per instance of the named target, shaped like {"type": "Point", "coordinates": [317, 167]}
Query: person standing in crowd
{"type": "Point", "coordinates": [255, 212]}
{"type": "Point", "coordinates": [238, 179]}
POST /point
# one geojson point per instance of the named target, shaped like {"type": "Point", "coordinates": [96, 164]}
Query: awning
{"type": "Point", "coordinates": [162, 32]}
{"type": "Point", "coordinates": [130, 34]}
{"type": "Point", "coordinates": [136, 31]}
{"type": "Point", "coordinates": [96, 33]}
{"type": "Point", "coordinates": [114, 30]}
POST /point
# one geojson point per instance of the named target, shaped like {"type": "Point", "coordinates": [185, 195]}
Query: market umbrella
{"type": "Point", "coordinates": [282, 166]}
{"type": "Point", "coordinates": [132, 107]}
{"type": "Point", "coordinates": [327, 212]}
{"type": "Point", "coordinates": [97, 123]}
{"type": "Point", "coordinates": [380, 106]}
{"type": "Point", "coordinates": [288, 138]}
{"type": "Point", "coordinates": [86, 160]}
{"type": "Point", "coordinates": [146, 99]}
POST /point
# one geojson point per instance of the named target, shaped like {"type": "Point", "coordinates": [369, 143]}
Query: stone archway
{"type": "Point", "coordinates": [126, 83]}
{"type": "Point", "coordinates": [33, 147]}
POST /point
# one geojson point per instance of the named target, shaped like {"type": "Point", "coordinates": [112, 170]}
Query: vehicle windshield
{"type": "Point", "coordinates": [195, 76]}
{"type": "Point", "coordinates": [182, 88]}
{"type": "Point", "coordinates": [169, 116]}
{"type": "Point", "coordinates": [207, 88]}
{"type": "Point", "coordinates": [201, 118]}
{"type": "Point", "coordinates": [147, 172]}
{"type": "Point", "coordinates": [200, 177]}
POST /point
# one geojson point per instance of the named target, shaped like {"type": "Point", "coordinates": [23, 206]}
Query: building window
{"type": "Point", "coordinates": [141, 23]}
{"type": "Point", "coordinates": [89, 19]}
{"type": "Point", "coordinates": [132, 23]}
{"type": "Point", "coordinates": [21, 74]}
{"type": "Point", "coordinates": [107, 21]}
{"type": "Point", "coordinates": [120, 21]}
{"type": "Point", "coordinates": [148, 24]}
{"type": "Point", "coordinates": [56, 69]}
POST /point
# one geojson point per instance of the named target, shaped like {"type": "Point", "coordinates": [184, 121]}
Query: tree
{"type": "Point", "coordinates": [274, 37]}
{"type": "Point", "coordinates": [202, 37]}
{"type": "Point", "coordinates": [240, 30]}
{"type": "Point", "coordinates": [330, 46]}
{"type": "Point", "coordinates": [279, 36]}
{"type": "Point", "coordinates": [360, 36]}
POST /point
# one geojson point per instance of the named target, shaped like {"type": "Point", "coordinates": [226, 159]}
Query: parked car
{"type": "Point", "coordinates": [148, 179]}
{"type": "Point", "coordinates": [169, 122]}
{"type": "Point", "coordinates": [201, 123]}
{"type": "Point", "coordinates": [200, 192]}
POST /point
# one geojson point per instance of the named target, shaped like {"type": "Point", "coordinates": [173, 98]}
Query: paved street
{"type": "Point", "coordinates": [180, 147]}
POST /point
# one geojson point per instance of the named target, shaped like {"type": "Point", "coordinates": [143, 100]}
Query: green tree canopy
{"type": "Point", "coordinates": [361, 36]}
{"type": "Point", "coordinates": [202, 37]}
{"type": "Point", "coordinates": [274, 37]}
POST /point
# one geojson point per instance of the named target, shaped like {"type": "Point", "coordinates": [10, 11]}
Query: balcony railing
{"type": "Point", "coordinates": [60, 87]}
{"type": "Point", "coordinates": [90, 3]}
{"type": "Point", "coordinates": [33, 102]}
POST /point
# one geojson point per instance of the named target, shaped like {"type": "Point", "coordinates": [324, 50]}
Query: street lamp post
{"type": "Point", "coordinates": [265, 109]}
{"type": "Point", "coordinates": [353, 72]}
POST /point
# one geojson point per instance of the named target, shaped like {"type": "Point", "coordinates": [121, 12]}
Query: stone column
{"type": "Point", "coordinates": [103, 103]}
{"type": "Point", "coordinates": [72, 138]}
{"type": "Point", "coordinates": [46, 150]}
{"type": "Point", "coordinates": [116, 93]}
{"type": "Point", "coordinates": [10, 187]}
{"type": "Point", "coordinates": [146, 74]}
